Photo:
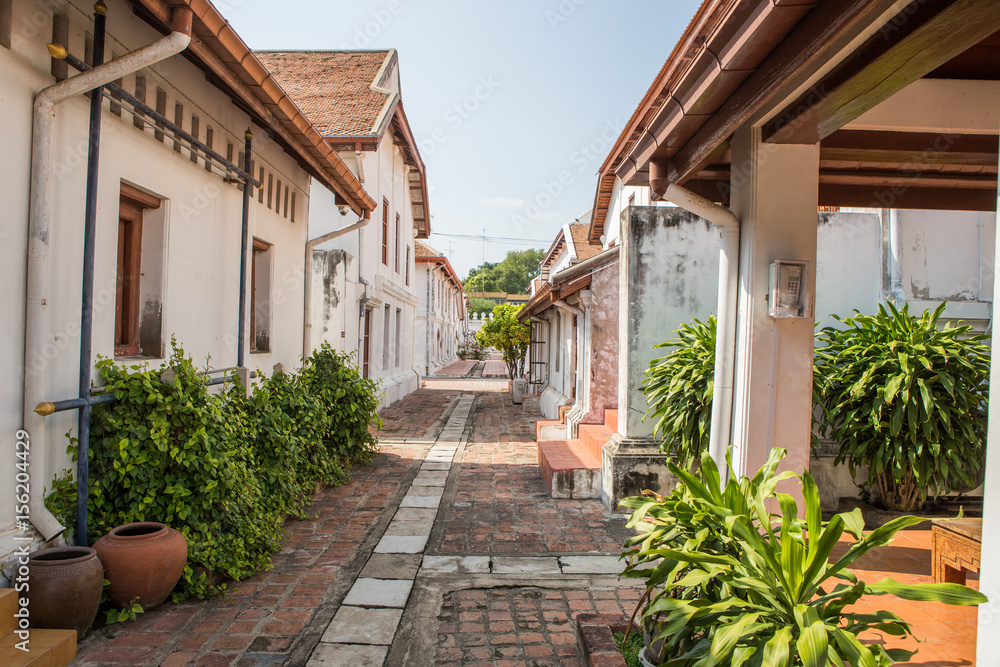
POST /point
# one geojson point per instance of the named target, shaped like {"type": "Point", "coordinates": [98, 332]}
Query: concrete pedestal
{"type": "Point", "coordinates": [629, 466]}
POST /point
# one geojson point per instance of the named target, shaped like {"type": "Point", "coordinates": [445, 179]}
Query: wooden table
{"type": "Point", "coordinates": [955, 548]}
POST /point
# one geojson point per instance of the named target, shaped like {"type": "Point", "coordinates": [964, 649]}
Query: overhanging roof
{"type": "Point", "coordinates": [224, 56]}
{"type": "Point", "coordinates": [808, 70]}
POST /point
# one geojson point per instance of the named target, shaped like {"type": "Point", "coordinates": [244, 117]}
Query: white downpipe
{"type": "Point", "coordinates": [307, 309]}
{"type": "Point", "coordinates": [725, 339]}
{"type": "Point", "coordinates": [37, 336]}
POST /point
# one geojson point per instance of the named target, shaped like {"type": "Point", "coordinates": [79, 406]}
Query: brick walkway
{"type": "Point", "coordinates": [504, 573]}
{"type": "Point", "coordinates": [458, 368]}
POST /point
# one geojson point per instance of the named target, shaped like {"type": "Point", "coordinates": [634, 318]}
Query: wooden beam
{"type": "Point", "coordinates": [921, 198]}
{"type": "Point", "coordinates": [921, 38]}
{"type": "Point", "coordinates": [818, 37]}
{"type": "Point", "coordinates": [910, 148]}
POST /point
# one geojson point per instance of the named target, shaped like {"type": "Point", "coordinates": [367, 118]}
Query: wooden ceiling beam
{"type": "Point", "coordinates": [921, 38]}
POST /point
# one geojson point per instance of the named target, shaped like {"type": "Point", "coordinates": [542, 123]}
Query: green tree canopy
{"type": "Point", "coordinates": [504, 333]}
{"type": "Point", "coordinates": [513, 275]}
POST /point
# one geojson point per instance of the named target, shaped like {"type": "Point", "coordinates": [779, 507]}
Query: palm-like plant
{"type": "Point", "coordinates": [678, 389]}
{"type": "Point", "coordinates": [733, 584]}
{"type": "Point", "coordinates": [907, 399]}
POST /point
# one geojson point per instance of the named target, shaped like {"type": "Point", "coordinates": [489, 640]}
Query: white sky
{"type": "Point", "coordinates": [515, 104]}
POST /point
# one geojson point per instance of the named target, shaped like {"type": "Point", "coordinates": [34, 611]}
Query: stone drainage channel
{"type": "Point", "coordinates": [371, 616]}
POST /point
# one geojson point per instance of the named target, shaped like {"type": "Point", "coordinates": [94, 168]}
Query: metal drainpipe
{"type": "Point", "coordinates": [245, 231]}
{"type": "Point", "coordinates": [307, 308]}
{"type": "Point", "coordinates": [725, 341]}
{"type": "Point", "coordinates": [87, 296]}
{"type": "Point", "coordinates": [37, 336]}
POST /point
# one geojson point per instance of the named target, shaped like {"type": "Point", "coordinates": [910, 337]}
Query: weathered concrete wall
{"type": "Point", "coordinates": [603, 388]}
{"type": "Point", "coordinates": [668, 275]}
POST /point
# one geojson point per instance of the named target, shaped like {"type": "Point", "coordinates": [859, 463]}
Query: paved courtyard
{"type": "Point", "coordinates": [446, 550]}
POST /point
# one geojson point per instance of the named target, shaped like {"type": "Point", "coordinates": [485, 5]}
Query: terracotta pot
{"type": "Point", "coordinates": [143, 561]}
{"type": "Point", "coordinates": [64, 588]}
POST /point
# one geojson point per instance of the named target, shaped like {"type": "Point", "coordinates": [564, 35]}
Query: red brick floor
{"type": "Point", "coordinates": [502, 505]}
{"type": "Point", "coordinates": [520, 626]}
{"type": "Point", "coordinates": [417, 415]}
{"type": "Point", "coordinates": [257, 620]}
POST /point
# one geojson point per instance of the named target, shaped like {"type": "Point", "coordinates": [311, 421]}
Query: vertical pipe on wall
{"type": "Point", "coordinates": [87, 297]}
{"type": "Point", "coordinates": [245, 231]}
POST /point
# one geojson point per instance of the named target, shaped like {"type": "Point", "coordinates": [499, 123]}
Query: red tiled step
{"type": "Point", "coordinates": [593, 437]}
{"type": "Point", "coordinates": [611, 419]}
{"type": "Point", "coordinates": [545, 428]}
{"type": "Point", "coordinates": [569, 469]}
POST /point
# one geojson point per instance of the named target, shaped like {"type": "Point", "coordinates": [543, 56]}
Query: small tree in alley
{"type": "Point", "coordinates": [508, 336]}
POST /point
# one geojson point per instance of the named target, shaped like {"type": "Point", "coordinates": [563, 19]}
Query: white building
{"type": "Point", "coordinates": [441, 314]}
{"type": "Point", "coordinates": [167, 257]}
{"type": "Point", "coordinates": [363, 289]}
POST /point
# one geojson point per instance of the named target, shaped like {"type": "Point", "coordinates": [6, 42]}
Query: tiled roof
{"type": "Point", "coordinates": [336, 90]}
{"type": "Point", "coordinates": [423, 251]}
{"type": "Point", "coordinates": [581, 241]}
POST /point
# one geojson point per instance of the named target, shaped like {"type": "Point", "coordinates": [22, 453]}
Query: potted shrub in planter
{"type": "Point", "coordinates": [908, 400]}
{"type": "Point", "coordinates": [728, 582]}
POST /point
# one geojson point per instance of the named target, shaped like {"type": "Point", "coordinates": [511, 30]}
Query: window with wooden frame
{"type": "Point", "coordinates": [395, 248]}
{"type": "Point", "coordinates": [385, 231]}
{"type": "Point", "coordinates": [407, 266]}
{"type": "Point", "coordinates": [367, 345]}
{"type": "Point", "coordinates": [132, 207]}
{"type": "Point", "coordinates": [260, 297]}
{"type": "Point", "coordinates": [386, 325]}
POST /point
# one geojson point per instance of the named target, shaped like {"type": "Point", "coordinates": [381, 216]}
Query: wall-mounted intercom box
{"type": "Point", "coordinates": [788, 294]}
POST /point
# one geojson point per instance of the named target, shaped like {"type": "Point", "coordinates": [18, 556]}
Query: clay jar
{"type": "Point", "coordinates": [143, 561]}
{"type": "Point", "coordinates": [64, 588]}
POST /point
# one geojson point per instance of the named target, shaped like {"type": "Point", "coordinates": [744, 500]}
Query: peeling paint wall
{"type": "Point", "coordinates": [603, 343]}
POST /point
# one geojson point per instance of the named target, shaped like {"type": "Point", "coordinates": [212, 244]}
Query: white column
{"type": "Point", "coordinates": [775, 195]}
{"type": "Point", "coordinates": [988, 632]}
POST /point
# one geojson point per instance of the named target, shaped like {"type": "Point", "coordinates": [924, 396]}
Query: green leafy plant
{"type": "Point", "coordinates": [129, 613]}
{"type": "Point", "coordinates": [223, 469]}
{"type": "Point", "coordinates": [678, 389]}
{"type": "Point", "coordinates": [906, 398]}
{"type": "Point", "coordinates": [729, 583]}
{"type": "Point", "coordinates": [511, 338]}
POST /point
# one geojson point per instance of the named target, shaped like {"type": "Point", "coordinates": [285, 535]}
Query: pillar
{"type": "Point", "coordinates": [775, 192]}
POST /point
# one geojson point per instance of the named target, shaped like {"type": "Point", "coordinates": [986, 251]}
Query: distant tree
{"type": "Point", "coordinates": [504, 333]}
{"type": "Point", "coordinates": [477, 304]}
{"type": "Point", "coordinates": [513, 275]}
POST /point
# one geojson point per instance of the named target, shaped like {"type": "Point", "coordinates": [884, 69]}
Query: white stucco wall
{"type": "Point", "coordinates": [199, 253]}
{"type": "Point", "coordinates": [439, 325]}
{"type": "Point", "coordinates": [384, 174]}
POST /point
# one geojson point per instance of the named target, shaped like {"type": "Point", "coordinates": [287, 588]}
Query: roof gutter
{"type": "Point", "coordinates": [37, 336]}
{"type": "Point", "coordinates": [586, 265]}
{"type": "Point", "coordinates": [725, 340]}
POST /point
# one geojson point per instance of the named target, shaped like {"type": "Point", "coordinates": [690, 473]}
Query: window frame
{"type": "Point", "coordinates": [132, 203]}
{"type": "Point", "coordinates": [385, 231]}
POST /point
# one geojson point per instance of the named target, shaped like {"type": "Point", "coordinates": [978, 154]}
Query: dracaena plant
{"type": "Point", "coordinates": [729, 583]}
{"type": "Point", "coordinates": [678, 389]}
{"type": "Point", "coordinates": [906, 398]}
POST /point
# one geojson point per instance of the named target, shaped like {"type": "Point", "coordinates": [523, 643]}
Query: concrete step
{"type": "Point", "coordinates": [549, 429]}
{"type": "Point", "coordinates": [569, 469]}
{"type": "Point", "coordinates": [46, 648]}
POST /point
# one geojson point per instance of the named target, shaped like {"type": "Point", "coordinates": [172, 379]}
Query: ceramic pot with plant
{"type": "Point", "coordinates": [143, 561]}
{"type": "Point", "coordinates": [906, 399]}
{"type": "Point", "coordinates": [64, 588]}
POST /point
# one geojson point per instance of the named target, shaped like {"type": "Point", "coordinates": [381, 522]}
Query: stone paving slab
{"type": "Point", "coordinates": [401, 544]}
{"type": "Point", "coordinates": [591, 564]}
{"type": "Point", "coordinates": [456, 564]}
{"type": "Point", "coordinates": [368, 592]}
{"type": "Point", "coordinates": [358, 625]}
{"type": "Point", "coordinates": [414, 514]}
{"type": "Point", "coordinates": [392, 566]}
{"type": "Point", "coordinates": [526, 565]}
{"type": "Point", "coordinates": [421, 501]}
{"type": "Point", "coordinates": [342, 655]}
{"type": "Point", "coordinates": [410, 528]}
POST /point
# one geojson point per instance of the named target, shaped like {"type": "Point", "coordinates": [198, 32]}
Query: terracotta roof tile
{"type": "Point", "coordinates": [581, 241]}
{"type": "Point", "coordinates": [423, 251]}
{"type": "Point", "coordinates": [334, 89]}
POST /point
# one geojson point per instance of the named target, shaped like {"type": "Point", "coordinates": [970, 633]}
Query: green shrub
{"type": "Point", "coordinates": [729, 583]}
{"type": "Point", "coordinates": [678, 389]}
{"type": "Point", "coordinates": [907, 399]}
{"type": "Point", "coordinates": [222, 468]}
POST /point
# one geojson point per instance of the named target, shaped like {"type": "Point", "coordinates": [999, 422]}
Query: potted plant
{"type": "Point", "coordinates": [906, 399]}
{"type": "Point", "coordinates": [728, 582]}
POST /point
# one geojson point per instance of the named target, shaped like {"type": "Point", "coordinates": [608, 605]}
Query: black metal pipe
{"type": "Point", "coordinates": [87, 296]}
{"type": "Point", "coordinates": [240, 342]}
{"type": "Point", "coordinates": [139, 105]}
